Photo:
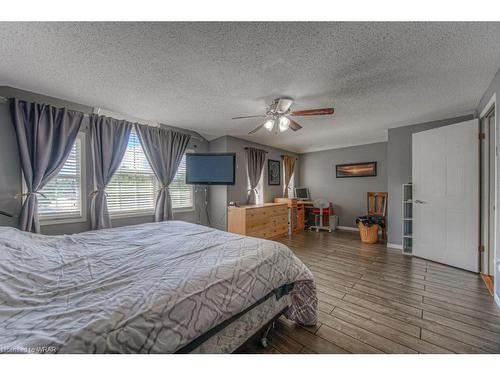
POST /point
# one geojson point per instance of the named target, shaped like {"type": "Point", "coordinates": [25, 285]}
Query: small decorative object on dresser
{"type": "Point", "coordinates": [273, 172]}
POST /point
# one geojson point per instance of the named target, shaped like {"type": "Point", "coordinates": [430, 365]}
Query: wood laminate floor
{"type": "Point", "coordinates": [375, 300]}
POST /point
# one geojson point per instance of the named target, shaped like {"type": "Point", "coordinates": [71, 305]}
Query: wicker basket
{"type": "Point", "coordinates": [368, 233]}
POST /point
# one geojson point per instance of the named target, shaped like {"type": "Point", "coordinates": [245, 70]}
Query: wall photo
{"type": "Point", "coordinates": [273, 172]}
{"type": "Point", "coordinates": [366, 169]}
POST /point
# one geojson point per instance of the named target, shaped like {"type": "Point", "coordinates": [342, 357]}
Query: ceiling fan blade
{"type": "Point", "coordinates": [283, 105]}
{"type": "Point", "coordinates": [294, 125]}
{"type": "Point", "coordinates": [314, 112]}
{"type": "Point", "coordinates": [257, 129]}
{"type": "Point", "coordinates": [242, 117]}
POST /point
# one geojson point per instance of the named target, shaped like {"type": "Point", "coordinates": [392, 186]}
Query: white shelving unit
{"type": "Point", "coordinates": [407, 207]}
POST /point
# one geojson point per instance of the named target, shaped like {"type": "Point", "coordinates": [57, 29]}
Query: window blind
{"type": "Point", "coordinates": [181, 194]}
{"type": "Point", "coordinates": [134, 186]}
{"type": "Point", "coordinates": [63, 194]}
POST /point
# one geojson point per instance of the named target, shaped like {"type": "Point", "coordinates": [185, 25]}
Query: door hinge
{"type": "Point", "coordinates": [482, 136]}
{"type": "Point", "coordinates": [481, 248]}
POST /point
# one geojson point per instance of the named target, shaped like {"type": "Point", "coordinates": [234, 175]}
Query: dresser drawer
{"type": "Point", "coordinates": [279, 220]}
{"type": "Point", "coordinates": [267, 221]}
{"type": "Point", "coordinates": [279, 210]}
{"type": "Point", "coordinates": [270, 232]}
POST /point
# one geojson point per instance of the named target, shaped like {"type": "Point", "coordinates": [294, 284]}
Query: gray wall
{"type": "Point", "coordinates": [494, 88]}
{"type": "Point", "coordinates": [10, 170]}
{"type": "Point", "coordinates": [399, 170]}
{"type": "Point", "coordinates": [220, 196]}
{"type": "Point", "coordinates": [348, 195]}
{"type": "Point", "coordinates": [238, 192]}
{"type": "Point", "coordinates": [217, 203]}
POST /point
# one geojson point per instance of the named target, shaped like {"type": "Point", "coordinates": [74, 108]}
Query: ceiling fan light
{"type": "Point", "coordinates": [269, 124]}
{"type": "Point", "coordinates": [283, 124]}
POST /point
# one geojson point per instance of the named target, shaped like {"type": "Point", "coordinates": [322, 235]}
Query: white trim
{"type": "Point", "coordinates": [352, 229]}
{"type": "Point", "coordinates": [488, 106]}
{"type": "Point", "coordinates": [135, 213]}
{"type": "Point", "coordinates": [497, 299]}
{"type": "Point", "coordinates": [394, 246]}
{"type": "Point", "coordinates": [62, 220]}
{"type": "Point", "coordinates": [492, 103]}
{"type": "Point", "coordinates": [183, 209]}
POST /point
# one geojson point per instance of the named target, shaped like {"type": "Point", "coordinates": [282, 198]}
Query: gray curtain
{"type": "Point", "coordinates": [108, 143]}
{"type": "Point", "coordinates": [45, 136]}
{"type": "Point", "coordinates": [255, 163]}
{"type": "Point", "coordinates": [164, 149]}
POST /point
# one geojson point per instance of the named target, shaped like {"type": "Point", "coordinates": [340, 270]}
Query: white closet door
{"type": "Point", "coordinates": [446, 195]}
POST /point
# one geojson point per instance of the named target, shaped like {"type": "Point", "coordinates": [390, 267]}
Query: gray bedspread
{"type": "Point", "coordinates": [138, 289]}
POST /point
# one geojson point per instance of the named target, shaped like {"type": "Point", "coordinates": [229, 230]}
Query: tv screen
{"type": "Point", "coordinates": [210, 169]}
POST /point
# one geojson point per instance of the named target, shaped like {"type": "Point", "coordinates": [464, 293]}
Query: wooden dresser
{"type": "Point", "coordinates": [268, 220]}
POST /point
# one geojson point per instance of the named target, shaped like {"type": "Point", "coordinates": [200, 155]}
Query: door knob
{"type": "Point", "coordinates": [418, 201]}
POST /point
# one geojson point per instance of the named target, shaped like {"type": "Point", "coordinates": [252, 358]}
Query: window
{"type": "Point", "coordinates": [181, 194]}
{"type": "Point", "coordinates": [62, 196]}
{"type": "Point", "coordinates": [134, 187]}
{"type": "Point", "coordinates": [291, 185]}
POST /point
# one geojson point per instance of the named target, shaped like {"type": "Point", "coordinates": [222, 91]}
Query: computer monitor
{"type": "Point", "coordinates": [302, 193]}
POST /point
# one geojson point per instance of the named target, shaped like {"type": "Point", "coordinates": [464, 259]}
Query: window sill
{"type": "Point", "coordinates": [125, 215]}
{"type": "Point", "coordinates": [187, 209]}
{"type": "Point", "coordinates": [62, 220]}
{"type": "Point", "coordinates": [81, 219]}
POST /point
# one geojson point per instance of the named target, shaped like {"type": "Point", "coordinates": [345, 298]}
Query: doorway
{"type": "Point", "coordinates": [488, 153]}
{"type": "Point", "coordinates": [488, 191]}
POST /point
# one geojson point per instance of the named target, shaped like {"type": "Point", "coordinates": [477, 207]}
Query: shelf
{"type": "Point", "coordinates": [407, 218]}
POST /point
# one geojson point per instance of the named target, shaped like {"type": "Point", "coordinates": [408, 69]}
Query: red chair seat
{"type": "Point", "coordinates": [326, 211]}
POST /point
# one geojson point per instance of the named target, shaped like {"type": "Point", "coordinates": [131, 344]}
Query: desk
{"type": "Point", "coordinates": [297, 213]}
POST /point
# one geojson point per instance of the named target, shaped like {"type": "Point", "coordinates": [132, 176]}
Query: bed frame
{"type": "Point", "coordinates": [236, 331]}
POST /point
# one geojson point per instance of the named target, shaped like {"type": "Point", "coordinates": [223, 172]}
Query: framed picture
{"type": "Point", "coordinates": [273, 172]}
{"type": "Point", "coordinates": [367, 169]}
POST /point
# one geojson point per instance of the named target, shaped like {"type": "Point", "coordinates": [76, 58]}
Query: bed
{"type": "Point", "coordinates": [152, 288]}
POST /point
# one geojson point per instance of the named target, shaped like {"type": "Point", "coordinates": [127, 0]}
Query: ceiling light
{"type": "Point", "coordinates": [284, 122]}
{"type": "Point", "coordinates": [269, 124]}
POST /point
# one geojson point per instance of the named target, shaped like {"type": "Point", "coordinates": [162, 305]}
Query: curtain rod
{"type": "Point", "coordinates": [5, 100]}
{"type": "Point", "coordinates": [248, 148]}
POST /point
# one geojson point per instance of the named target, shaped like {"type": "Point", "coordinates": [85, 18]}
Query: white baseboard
{"type": "Point", "coordinates": [352, 229]}
{"type": "Point", "coordinates": [497, 299]}
{"type": "Point", "coordinates": [394, 246]}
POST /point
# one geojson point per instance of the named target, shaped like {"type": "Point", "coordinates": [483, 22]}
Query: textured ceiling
{"type": "Point", "coordinates": [199, 75]}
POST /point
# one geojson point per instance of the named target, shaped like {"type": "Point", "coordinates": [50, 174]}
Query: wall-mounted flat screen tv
{"type": "Point", "coordinates": [210, 169]}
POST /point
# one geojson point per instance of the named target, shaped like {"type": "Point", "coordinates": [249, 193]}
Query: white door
{"type": "Point", "coordinates": [446, 195]}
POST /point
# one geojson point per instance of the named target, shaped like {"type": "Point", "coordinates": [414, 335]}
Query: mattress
{"type": "Point", "coordinates": [227, 337]}
{"type": "Point", "coordinates": [150, 288]}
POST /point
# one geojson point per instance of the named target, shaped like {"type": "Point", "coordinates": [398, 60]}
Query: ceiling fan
{"type": "Point", "coordinates": [278, 115]}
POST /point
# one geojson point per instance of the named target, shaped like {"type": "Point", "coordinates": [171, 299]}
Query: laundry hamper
{"type": "Point", "coordinates": [368, 230]}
